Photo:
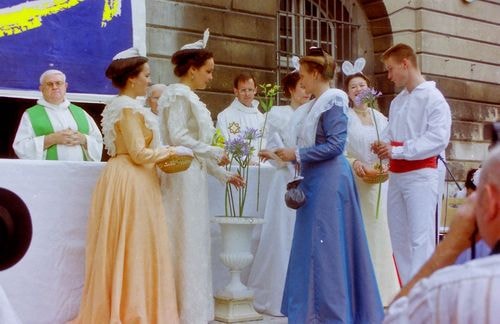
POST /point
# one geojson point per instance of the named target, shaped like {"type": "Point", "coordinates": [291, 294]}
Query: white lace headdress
{"type": "Point", "coordinates": [350, 69]}
{"type": "Point", "coordinates": [200, 44]}
{"type": "Point", "coordinates": [128, 53]}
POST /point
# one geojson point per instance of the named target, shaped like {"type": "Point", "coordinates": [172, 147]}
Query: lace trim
{"type": "Point", "coordinates": [330, 98]}
{"type": "Point", "coordinates": [198, 108]}
{"type": "Point", "coordinates": [111, 114]}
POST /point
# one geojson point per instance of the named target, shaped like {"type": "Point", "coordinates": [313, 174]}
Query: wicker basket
{"type": "Point", "coordinates": [175, 163]}
{"type": "Point", "coordinates": [378, 178]}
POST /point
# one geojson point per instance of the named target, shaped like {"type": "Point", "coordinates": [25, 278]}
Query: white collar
{"type": "Point", "coordinates": [248, 110]}
{"type": "Point", "coordinates": [63, 105]}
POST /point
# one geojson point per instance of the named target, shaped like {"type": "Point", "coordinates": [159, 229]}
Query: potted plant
{"type": "Point", "coordinates": [234, 303]}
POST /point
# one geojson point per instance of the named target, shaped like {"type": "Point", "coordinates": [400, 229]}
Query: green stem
{"type": "Point", "coordinates": [229, 202]}
{"type": "Point", "coordinates": [380, 170]}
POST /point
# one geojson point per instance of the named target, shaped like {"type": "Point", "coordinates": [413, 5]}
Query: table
{"type": "Point", "coordinates": [45, 286]}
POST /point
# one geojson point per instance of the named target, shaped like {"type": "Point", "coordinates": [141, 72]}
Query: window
{"type": "Point", "coordinates": [323, 23]}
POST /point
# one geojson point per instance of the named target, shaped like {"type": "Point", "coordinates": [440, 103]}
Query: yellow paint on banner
{"type": "Point", "coordinates": [112, 8]}
{"type": "Point", "coordinates": [29, 15]}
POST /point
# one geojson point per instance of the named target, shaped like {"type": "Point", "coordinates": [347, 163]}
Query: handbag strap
{"type": "Point", "coordinates": [297, 170]}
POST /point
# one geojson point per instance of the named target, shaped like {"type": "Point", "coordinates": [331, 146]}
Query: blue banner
{"type": "Point", "coordinates": [75, 36]}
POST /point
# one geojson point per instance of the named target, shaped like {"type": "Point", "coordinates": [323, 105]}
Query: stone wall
{"type": "Point", "coordinates": [242, 38]}
{"type": "Point", "coordinates": [458, 46]}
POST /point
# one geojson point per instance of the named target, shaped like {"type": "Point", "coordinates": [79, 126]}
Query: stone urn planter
{"type": "Point", "coordinates": [234, 303]}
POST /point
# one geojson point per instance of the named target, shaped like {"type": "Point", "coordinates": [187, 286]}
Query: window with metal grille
{"type": "Point", "coordinates": [323, 23]}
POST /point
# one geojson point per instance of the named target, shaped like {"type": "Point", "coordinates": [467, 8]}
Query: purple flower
{"type": "Point", "coordinates": [251, 134]}
{"type": "Point", "coordinates": [368, 96]}
{"type": "Point", "coordinates": [238, 147]}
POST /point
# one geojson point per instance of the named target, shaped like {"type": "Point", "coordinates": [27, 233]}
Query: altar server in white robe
{"type": "Point", "coordinates": [55, 129]}
{"type": "Point", "coordinates": [418, 131]}
{"type": "Point", "coordinates": [243, 112]}
{"type": "Point", "coordinates": [268, 272]}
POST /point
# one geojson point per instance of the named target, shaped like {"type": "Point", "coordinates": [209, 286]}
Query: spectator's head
{"type": "Point", "coordinates": [487, 209]}
{"type": "Point", "coordinates": [129, 72]}
{"type": "Point", "coordinates": [53, 86]}
{"type": "Point", "coordinates": [470, 185]}
{"type": "Point", "coordinates": [316, 68]}
{"type": "Point", "coordinates": [245, 88]}
{"type": "Point", "coordinates": [294, 90]}
{"type": "Point", "coordinates": [153, 94]}
{"type": "Point", "coordinates": [194, 67]}
{"type": "Point", "coordinates": [354, 83]}
{"type": "Point", "coordinates": [400, 62]}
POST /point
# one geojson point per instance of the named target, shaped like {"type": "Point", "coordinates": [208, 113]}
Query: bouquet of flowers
{"type": "Point", "coordinates": [369, 97]}
{"type": "Point", "coordinates": [239, 150]}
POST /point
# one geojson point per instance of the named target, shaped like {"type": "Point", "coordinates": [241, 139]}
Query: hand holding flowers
{"type": "Point", "coordinates": [239, 153]}
{"type": "Point", "coordinates": [378, 173]}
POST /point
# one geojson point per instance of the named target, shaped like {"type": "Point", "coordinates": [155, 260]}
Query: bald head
{"type": "Point", "coordinates": [488, 198]}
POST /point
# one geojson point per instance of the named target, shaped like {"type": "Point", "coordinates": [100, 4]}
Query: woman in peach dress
{"type": "Point", "coordinates": [128, 271]}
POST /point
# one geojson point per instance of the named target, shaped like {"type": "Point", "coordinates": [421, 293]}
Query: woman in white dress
{"type": "Point", "coordinates": [185, 119]}
{"type": "Point", "coordinates": [268, 272]}
{"type": "Point", "coordinates": [361, 133]}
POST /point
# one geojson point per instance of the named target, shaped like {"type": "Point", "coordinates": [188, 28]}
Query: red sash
{"type": "Point", "coordinates": [399, 166]}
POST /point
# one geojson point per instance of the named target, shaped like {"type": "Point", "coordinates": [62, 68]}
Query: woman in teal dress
{"type": "Point", "coordinates": [330, 276]}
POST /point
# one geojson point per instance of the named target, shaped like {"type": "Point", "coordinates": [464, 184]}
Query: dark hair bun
{"type": "Point", "coordinates": [119, 71]}
{"type": "Point", "coordinates": [184, 59]}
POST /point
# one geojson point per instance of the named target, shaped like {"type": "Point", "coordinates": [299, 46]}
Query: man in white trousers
{"type": "Point", "coordinates": [418, 131]}
{"type": "Point", "coordinates": [442, 292]}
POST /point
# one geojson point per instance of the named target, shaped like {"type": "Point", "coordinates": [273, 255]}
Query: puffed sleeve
{"type": "Point", "coordinates": [217, 171]}
{"type": "Point", "coordinates": [334, 125]}
{"type": "Point", "coordinates": [131, 125]}
{"type": "Point", "coordinates": [177, 124]}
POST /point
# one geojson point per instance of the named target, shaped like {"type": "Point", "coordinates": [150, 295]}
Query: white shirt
{"type": "Point", "coordinates": [467, 293]}
{"type": "Point", "coordinates": [7, 313]}
{"type": "Point", "coordinates": [237, 118]}
{"type": "Point", "coordinates": [29, 146]}
{"type": "Point", "coordinates": [422, 120]}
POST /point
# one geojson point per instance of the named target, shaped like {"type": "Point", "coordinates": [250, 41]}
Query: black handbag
{"type": "Point", "coordinates": [294, 196]}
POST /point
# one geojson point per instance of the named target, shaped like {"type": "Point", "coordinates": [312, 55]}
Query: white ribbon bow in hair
{"type": "Point", "coordinates": [358, 67]}
{"type": "Point", "coordinates": [128, 53]}
{"type": "Point", "coordinates": [295, 63]}
{"type": "Point", "coordinates": [200, 44]}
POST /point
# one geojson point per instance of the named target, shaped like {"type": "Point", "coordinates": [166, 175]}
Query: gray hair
{"type": "Point", "coordinates": [158, 86]}
{"type": "Point", "coordinates": [51, 72]}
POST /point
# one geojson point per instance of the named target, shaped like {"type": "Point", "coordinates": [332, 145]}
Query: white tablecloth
{"type": "Point", "coordinates": [45, 286]}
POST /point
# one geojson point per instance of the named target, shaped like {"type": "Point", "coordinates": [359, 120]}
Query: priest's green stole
{"type": "Point", "coordinates": [42, 125]}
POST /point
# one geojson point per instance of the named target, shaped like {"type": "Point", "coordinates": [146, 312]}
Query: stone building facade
{"type": "Point", "coordinates": [457, 43]}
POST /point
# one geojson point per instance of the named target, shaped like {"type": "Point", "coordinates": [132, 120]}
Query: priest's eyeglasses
{"type": "Point", "coordinates": [55, 83]}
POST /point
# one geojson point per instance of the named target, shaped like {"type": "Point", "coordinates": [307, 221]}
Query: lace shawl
{"type": "Point", "coordinates": [198, 108]}
{"type": "Point", "coordinates": [111, 114]}
{"type": "Point", "coordinates": [310, 113]}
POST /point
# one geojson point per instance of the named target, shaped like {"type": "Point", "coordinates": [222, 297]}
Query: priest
{"type": "Point", "coordinates": [55, 129]}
